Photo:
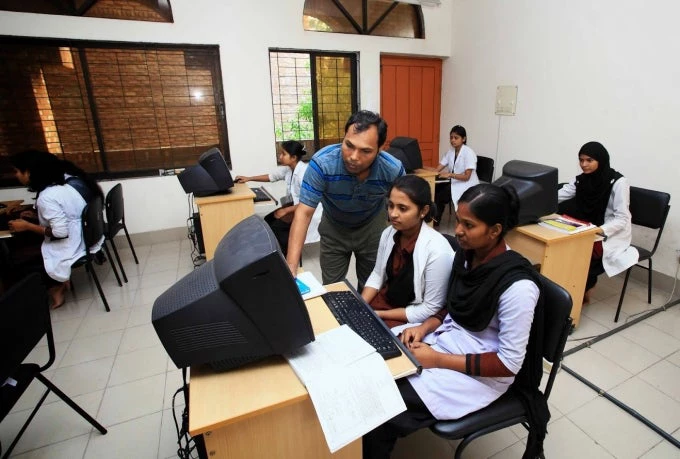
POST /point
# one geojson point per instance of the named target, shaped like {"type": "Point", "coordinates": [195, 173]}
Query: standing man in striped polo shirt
{"type": "Point", "coordinates": [350, 180]}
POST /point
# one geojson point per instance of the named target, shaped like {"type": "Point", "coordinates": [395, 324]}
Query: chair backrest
{"type": "Point", "coordinates": [649, 208]}
{"type": "Point", "coordinates": [93, 222]}
{"type": "Point", "coordinates": [24, 320]}
{"type": "Point", "coordinates": [485, 167]}
{"type": "Point", "coordinates": [453, 242]}
{"type": "Point", "coordinates": [115, 206]}
{"type": "Point", "coordinates": [556, 325]}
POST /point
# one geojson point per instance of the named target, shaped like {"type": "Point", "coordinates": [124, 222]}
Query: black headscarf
{"type": "Point", "coordinates": [592, 190]}
{"type": "Point", "coordinates": [474, 294]}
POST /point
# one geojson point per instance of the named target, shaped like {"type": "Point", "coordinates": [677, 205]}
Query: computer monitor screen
{"type": "Point", "coordinates": [237, 308]}
{"type": "Point", "coordinates": [407, 150]}
{"type": "Point", "coordinates": [536, 186]}
{"type": "Point", "coordinates": [210, 176]}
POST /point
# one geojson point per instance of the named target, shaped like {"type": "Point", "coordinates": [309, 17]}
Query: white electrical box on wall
{"type": "Point", "coordinates": [506, 100]}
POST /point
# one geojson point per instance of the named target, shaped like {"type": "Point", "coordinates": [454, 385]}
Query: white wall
{"type": "Point", "coordinates": [245, 30]}
{"type": "Point", "coordinates": [586, 70]}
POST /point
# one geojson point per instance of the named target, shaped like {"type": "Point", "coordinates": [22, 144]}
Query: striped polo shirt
{"type": "Point", "coordinates": [346, 200]}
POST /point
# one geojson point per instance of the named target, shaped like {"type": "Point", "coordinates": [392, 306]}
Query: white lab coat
{"type": "Point", "coordinates": [617, 253]}
{"type": "Point", "coordinates": [293, 184]}
{"type": "Point", "coordinates": [432, 264]}
{"type": "Point", "coordinates": [467, 159]}
{"type": "Point", "coordinates": [60, 208]}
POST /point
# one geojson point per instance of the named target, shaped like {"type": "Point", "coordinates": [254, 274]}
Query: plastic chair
{"type": "Point", "coordinates": [93, 231]}
{"type": "Point", "coordinates": [24, 320]}
{"type": "Point", "coordinates": [648, 208]}
{"type": "Point", "coordinates": [115, 221]}
{"type": "Point", "coordinates": [485, 168]}
{"type": "Point", "coordinates": [508, 410]}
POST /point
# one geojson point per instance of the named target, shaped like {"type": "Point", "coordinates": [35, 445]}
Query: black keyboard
{"type": "Point", "coordinates": [350, 310]}
{"type": "Point", "coordinates": [260, 195]}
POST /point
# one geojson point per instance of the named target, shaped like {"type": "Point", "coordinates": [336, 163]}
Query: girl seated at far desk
{"type": "Point", "coordinates": [411, 274]}
{"type": "Point", "coordinates": [601, 195]}
{"type": "Point", "coordinates": [292, 170]}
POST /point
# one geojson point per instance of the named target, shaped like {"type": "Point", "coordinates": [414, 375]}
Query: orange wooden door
{"type": "Point", "coordinates": [410, 101]}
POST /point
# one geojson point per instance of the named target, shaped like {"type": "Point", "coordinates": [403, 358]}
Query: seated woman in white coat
{"type": "Point", "coordinates": [291, 171]}
{"type": "Point", "coordinates": [601, 195]}
{"type": "Point", "coordinates": [413, 265]}
{"type": "Point", "coordinates": [62, 190]}
{"type": "Point", "coordinates": [473, 350]}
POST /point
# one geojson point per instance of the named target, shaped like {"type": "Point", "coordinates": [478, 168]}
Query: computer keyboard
{"type": "Point", "coordinates": [353, 312]}
{"type": "Point", "coordinates": [260, 195]}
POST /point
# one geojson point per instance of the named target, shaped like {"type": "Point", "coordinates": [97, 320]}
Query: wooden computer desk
{"type": "Point", "coordinates": [564, 258]}
{"type": "Point", "coordinates": [222, 212]}
{"type": "Point", "coordinates": [262, 410]}
{"type": "Point", "coordinates": [429, 176]}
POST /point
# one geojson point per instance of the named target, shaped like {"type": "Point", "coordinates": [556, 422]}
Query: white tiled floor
{"type": "Point", "coordinates": [114, 366]}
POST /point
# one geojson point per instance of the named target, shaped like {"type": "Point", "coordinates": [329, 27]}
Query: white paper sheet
{"type": "Point", "coordinates": [315, 287]}
{"type": "Point", "coordinates": [349, 383]}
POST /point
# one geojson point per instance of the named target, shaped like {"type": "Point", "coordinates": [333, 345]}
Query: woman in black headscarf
{"type": "Point", "coordinates": [601, 195]}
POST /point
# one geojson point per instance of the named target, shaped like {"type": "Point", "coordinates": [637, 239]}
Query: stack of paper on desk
{"type": "Point", "coordinates": [349, 383]}
{"type": "Point", "coordinates": [566, 224]}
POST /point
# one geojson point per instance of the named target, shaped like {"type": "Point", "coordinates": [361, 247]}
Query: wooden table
{"type": "Point", "coordinates": [429, 176]}
{"type": "Point", "coordinates": [564, 258]}
{"type": "Point", "coordinates": [262, 410]}
{"type": "Point", "coordinates": [220, 213]}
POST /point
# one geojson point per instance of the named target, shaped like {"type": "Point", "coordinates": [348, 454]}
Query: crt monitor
{"type": "Point", "coordinates": [210, 176]}
{"type": "Point", "coordinates": [407, 150]}
{"type": "Point", "coordinates": [536, 186]}
{"type": "Point", "coordinates": [237, 308]}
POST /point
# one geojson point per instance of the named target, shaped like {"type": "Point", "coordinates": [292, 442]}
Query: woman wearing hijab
{"type": "Point", "coordinates": [601, 195]}
{"type": "Point", "coordinates": [473, 349]}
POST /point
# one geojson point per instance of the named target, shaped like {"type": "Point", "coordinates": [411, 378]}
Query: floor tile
{"type": "Point", "coordinates": [621, 435]}
{"type": "Point", "coordinates": [140, 440]}
{"type": "Point", "coordinates": [138, 365]}
{"type": "Point", "coordinates": [650, 403]}
{"type": "Point", "coordinates": [139, 337]}
{"type": "Point", "coordinates": [165, 277]}
{"type": "Point", "coordinates": [626, 353]}
{"type": "Point", "coordinates": [132, 400]}
{"type": "Point", "coordinates": [146, 296]}
{"type": "Point", "coordinates": [140, 315]}
{"type": "Point", "coordinates": [92, 348]}
{"type": "Point", "coordinates": [565, 440]}
{"type": "Point", "coordinates": [53, 423]}
{"type": "Point", "coordinates": [652, 339]}
{"type": "Point", "coordinates": [173, 381]}
{"type": "Point", "coordinates": [568, 393]}
{"type": "Point", "coordinates": [82, 378]}
{"type": "Point", "coordinates": [167, 446]}
{"type": "Point", "coordinates": [96, 324]}
{"type": "Point", "coordinates": [65, 330]}
{"type": "Point", "coordinates": [667, 321]}
{"type": "Point", "coordinates": [32, 394]}
{"type": "Point", "coordinates": [665, 377]}
{"type": "Point", "coordinates": [511, 452]}
{"type": "Point", "coordinates": [596, 368]}
{"type": "Point", "coordinates": [73, 448]}
{"type": "Point", "coordinates": [663, 450]}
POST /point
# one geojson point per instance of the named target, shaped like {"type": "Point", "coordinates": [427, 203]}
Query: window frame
{"type": "Point", "coordinates": [220, 104]}
{"type": "Point", "coordinates": [313, 54]}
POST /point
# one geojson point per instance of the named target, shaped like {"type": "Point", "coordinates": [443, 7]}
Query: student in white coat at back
{"type": "Point", "coordinates": [601, 195]}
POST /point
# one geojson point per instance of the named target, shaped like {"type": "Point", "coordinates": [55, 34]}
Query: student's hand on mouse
{"type": "Point", "coordinates": [425, 354]}
{"type": "Point", "coordinates": [241, 179]}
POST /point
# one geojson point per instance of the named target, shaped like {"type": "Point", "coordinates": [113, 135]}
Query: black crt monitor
{"type": "Point", "coordinates": [210, 176]}
{"type": "Point", "coordinates": [536, 186]}
{"type": "Point", "coordinates": [239, 307]}
{"type": "Point", "coordinates": [407, 150]}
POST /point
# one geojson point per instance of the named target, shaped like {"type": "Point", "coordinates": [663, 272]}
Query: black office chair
{"type": "Point", "coordinates": [648, 208]}
{"type": "Point", "coordinates": [93, 230]}
{"type": "Point", "coordinates": [485, 168]}
{"type": "Point", "coordinates": [24, 320]}
{"type": "Point", "coordinates": [115, 221]}
{"type": "Point", "coordinates": [508, 410]}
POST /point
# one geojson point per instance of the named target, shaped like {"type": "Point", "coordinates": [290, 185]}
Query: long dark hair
{"type": "Point", "coordinates": [294, 148]}
{"type": "Point", "coordinates": [493, 204]}
{"type": "Point", "coordinates": [418, 190]}
{"type": "Point", "coordinates": [46, 169]}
